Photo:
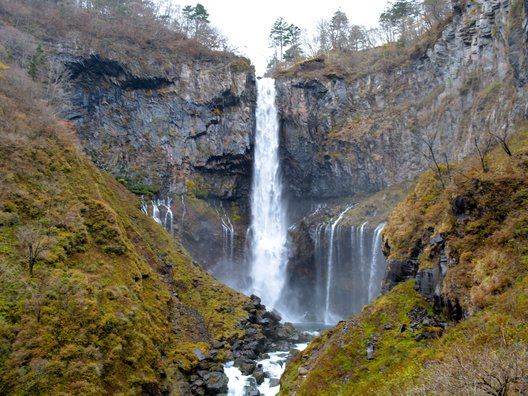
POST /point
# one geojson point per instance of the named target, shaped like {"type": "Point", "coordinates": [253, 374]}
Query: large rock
{"type": "Point", "coordinates": [216, 382]}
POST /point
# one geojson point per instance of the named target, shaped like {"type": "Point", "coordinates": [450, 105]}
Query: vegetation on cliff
{"type": "Point", "coordinates": [95, 297]}
{"type": "Point", "coordinates": [405, 342]}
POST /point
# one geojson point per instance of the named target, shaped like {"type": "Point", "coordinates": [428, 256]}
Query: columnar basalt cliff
{"type": "Point", "coordinates": [345, 131]}
{"type": "Point", "coordinates": [178, 132]}
{"type": "Point", "coordinates": [188, 128]}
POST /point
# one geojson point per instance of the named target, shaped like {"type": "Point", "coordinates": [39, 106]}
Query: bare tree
{"type": "Point", "coordinates": [483, 145]}
{"type": "Point", "coordinates": [502, 136]}
{"type": "Point", "coordinates": [497, 371]}
{"type": "Point", "coordinates": [431, 155]}
{"type": "Point", "coordinates": [34, 242]}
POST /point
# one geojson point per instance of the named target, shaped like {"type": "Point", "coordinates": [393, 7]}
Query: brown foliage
{"type": "Point", "coordinates": [498, 372]}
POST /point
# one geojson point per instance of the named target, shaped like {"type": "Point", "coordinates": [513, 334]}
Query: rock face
{"type": "Point", "coordinates": [342, 134]}
{"type": "Point", "coordinates": [181, 133]}
{"type": "Point", "coordinates": [185, 129]}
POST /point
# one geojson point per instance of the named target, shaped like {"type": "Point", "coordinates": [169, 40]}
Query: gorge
{"type": "Point", "coordinates": [166, 214]}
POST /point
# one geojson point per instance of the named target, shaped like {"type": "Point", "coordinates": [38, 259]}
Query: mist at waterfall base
{"type": "Point", "coordinates": [346, 272]}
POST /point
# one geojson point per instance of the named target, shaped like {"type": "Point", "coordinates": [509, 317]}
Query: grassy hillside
{"type": "Point", "coordinates": [95, 297]}
{"type": "Point", "coordinates": [399, 344]}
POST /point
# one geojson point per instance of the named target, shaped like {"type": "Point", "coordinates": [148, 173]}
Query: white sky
{"type": "Point", "coordinates": [247, 23]}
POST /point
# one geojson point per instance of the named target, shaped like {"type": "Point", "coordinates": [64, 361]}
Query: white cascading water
{"type": "Point", "coordinates": [168, 218]}
{"type": "Point", "coordinates": [156, 212]}
{"type": "Point", "coordinates": [228, 245]}
{"type": "Point", "coordinates": [373, 288]}
{"type": "Point", "coordinates": [268, 221]}
{"type": "Point", "coordinates": [363, 269]}
{"type": "Point", "coordinates": [330, 266]}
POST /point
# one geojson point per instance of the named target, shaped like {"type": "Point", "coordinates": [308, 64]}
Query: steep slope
{"type": "Point", "coordinates": [95, 297]}
{"type": "Point", "coordinates": [453, 319]}
{"type": "Point", "coordinates": [170, 118]}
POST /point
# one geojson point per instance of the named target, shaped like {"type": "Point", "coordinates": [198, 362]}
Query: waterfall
{"type": "Point", "coordinates": [228, 245]}
{"type": "Point", "coordinates": [157, 205]}
{"type": "Point", "coordinates": [168, 218]}
{"type": "Point", "coordinates": [374, 277]}
{"type": "Point", "coordinates": [268, 220]}
{"type": "Point", "coordinates": [363, 270]}
{"type": "Point", "coordinates": [330, 263]}
{"type": "Point", "coordinates": [156, 212]}
{"type": "Point", "coordinates": [348, 268]}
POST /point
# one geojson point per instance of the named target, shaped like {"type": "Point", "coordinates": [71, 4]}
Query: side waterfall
{"type": "Point", "coordinates": [349, 268]}
{"type": "Point", "coordinates": [374, 273]}
{"type": "Point", "coordinates": [166, 219]}
{"type": "Point", "coordinates": [268, 221]}
{"type": "Point", "coordinates": [330, 264]}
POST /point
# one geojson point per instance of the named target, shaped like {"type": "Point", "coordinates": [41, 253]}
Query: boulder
{"type": "Point", "coordinates": [246, 366]}
{"type": "Point", "coordinates": [215, 382]}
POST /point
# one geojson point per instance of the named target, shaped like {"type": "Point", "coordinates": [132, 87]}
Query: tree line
{"type": "Point", "coordinates": [192, 22]}
{"type": "Point", "coordinates": [401, 23]}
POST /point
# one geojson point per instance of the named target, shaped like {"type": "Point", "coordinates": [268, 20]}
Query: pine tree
{"type": "Point", "coordinates": [283, 34]}
{"type": "Point", "coordinates": [36, 62]}
{"type": "Point", "coordinates": [197, 16]}
{"type": "Point", "coordinates": [279, 35]}
{"type": "Point", "coordinates": [339, 27]}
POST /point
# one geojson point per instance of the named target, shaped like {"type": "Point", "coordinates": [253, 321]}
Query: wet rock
{"type": "Point", "coordinates": [370, 352]}
{"type": "Point", "coordinates": [398, 271]}
{"type": "Point", "coordinates": [438, 239]}
{"type": "Point", "coordinates": [274, 382]}
{"type": "Point", "coordinates": [287, 332]}
{"type": "Point", "coordinates": [259, 375]}
{"type": "Point", "coordinates": [216, 382]}
{"type": "Point", "coordinates": [199, 354]}
{"type": "Point", "coordinates": [274, 316]}
{"type": "Point", "coordinates": [370, 348]}
{"type": "Point", "coordinates": [246, 366]}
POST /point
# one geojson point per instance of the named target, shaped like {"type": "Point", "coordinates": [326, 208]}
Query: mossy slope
{"type": "Point", "coordinates": [114, 305]}
{"type": "Point", "coordinates": [482, 217]}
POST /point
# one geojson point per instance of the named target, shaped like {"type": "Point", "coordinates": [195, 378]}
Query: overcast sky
{"type": "Point", "coordinates": [247, 23]}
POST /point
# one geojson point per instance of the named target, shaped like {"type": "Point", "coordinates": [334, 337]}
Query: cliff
{"type": "Point", "coordinates": [367, 125]}
{"type": "Point", "coordinates": [452, 318]}
{"type": "Point", "coordinates": [182, 135]}
{"type": "Point", "coordinates": [186, 128]}
{"type": "Point", "coordinates": [96, 297]}
{"type": "Point", "coordinates": [170, 119]}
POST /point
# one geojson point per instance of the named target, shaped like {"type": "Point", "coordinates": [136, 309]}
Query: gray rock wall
{"type": "Point", "coordinates": [342, 135]}
{"type": "Point", "coordinates": [186, 129]}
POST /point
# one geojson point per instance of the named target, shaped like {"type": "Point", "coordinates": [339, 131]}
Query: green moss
{"type": "Point", "coordinates": [99, 315]}
{"type": "Point", "coordinates": [487, 275]}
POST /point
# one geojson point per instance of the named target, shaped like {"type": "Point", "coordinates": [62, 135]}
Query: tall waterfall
{"type": "Point", "coordinates": [268, 220]}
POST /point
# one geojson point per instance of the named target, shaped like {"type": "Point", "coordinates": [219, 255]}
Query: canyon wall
{"type": "Point", "coordinates": [366, 128]}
